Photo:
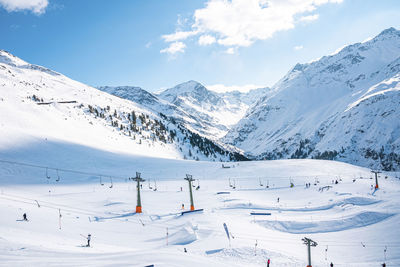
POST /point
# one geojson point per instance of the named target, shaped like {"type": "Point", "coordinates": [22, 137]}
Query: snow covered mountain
{"type": "Point", "coordinates": [41, 107]}
{"type": "Point", "coordinates": [215, 114]}
{"type": "Point", "coordinates": [345, 106]}
{"type": "Point", "coordinates": [203, 111]}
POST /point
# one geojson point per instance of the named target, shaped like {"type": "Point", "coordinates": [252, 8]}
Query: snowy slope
{"type": "Point", "coordinates": [203, 111]}
{"type": "Point", "coordinates": [68, 149]}
{"type": "Point", "coordinates": [344, 106]}
{"type": "Point", "coordinates": [351, 223]}
{"type": "Point", "coordinates": [42, 105]}
{"type": "Point", "coordinates": [157, 105]}
{"type": "Point", "coordinates": [216, 112]}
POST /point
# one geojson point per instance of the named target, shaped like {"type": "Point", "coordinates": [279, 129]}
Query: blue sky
{"type": "Point", "coordinates": [157, 44]}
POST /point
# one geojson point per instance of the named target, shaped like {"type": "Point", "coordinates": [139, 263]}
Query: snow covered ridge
{"type": "Point", "coordinates": [205, 112]}
{"type": "Point", "coordinates": [344, 106]}
{"type": "Point", "coordinates": [42, 105]}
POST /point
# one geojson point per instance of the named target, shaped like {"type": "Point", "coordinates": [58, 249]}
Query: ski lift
{"type": "Point", "coordinates": [58, 176]}
{"type": "Point", "coordinates": [155, 186]}
{"type": "Point", "coordinates": [47, 173]}
{"type": "Point", "coordinates": [111, 185]}
{"type": "Point", "coordinates": [198, 185]}
{"type": "Point", "coordinates": [326, 253]}
{"type": "Point", "coordinates": [260, 182]}
{"type": "Point", "coordinates": [101, 182]}
{"type": "Point", "coordinates": [230, 185]}
{"type": "Point", "coordinates": [234, 184]}
{"type": "Point", "coordinates": [267, 184]}
{"type": "Point", "coordinates": [150, 185]}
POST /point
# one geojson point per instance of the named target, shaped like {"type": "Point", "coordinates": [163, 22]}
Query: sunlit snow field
{"type": "Point", "coordinates": [351, 223]}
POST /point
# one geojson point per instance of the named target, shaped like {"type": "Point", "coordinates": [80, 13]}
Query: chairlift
{"type": "Point", "coordinates": [58, 176]}
{"type": "Point", "coordinates": [198, 184]}
{"type": "Point", "coordinates": [267, 184]}
{"type": "Point", "coordinates": [111, 185]}
{"type": "Point", "coordinates": [47, 173]}
{"type": "Point", "coordinates": [234, 184]}
{"type": "Point", "coordinates": [230, 185]}
{"type": "Point", "coordinates": [155, 186]}
{"type": "Point", "coordinates": [150, 185]}
{"type": "Point", "coordinates": [101, 182]}
{"type": "Point", "coordinates": [260, 182]}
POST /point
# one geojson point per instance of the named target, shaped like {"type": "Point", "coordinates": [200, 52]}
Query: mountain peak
{"type": "Point", "coordinates": [185, 88]}
{"type": "Point", "coordinates": [9, 59]}
{"type": "Point", "coordinates": [389, 31]}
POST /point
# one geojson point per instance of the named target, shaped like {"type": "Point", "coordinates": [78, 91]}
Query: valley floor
{"type": "Point", "coordinates": [351, 222]}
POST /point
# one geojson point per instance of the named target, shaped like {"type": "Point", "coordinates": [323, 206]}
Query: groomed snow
{"type": "Point", "coordinates": [343, 218]}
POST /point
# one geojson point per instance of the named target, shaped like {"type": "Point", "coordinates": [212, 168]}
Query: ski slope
{"type": "Point", "coordinates": [349, 219]}
{"type": "Point", "coordinates": [63, 158]}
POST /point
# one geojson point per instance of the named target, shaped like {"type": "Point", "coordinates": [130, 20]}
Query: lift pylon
{"type": "Point", "coordinates": [376, 178]}
{"type": "Point", "coordinates": [139, 202]}
{"type": "Point", "coordinates": [310, 243]}
{"type": "Point", "coordinates": [190, 180]}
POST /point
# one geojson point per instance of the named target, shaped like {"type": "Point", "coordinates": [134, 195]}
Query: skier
{"type": "Point", "coordinates": [184, 250]}
{"type": "Point", "coordinates": [24, 216]}
{"type": "Point", "coordinates": [278, 199]}
{"type": "Point", "coordinates": [88, 240]}
{"type": "Point", "coordinates": [268, 262]}
{"type": "Point", "coordinates": [384, 265]}
{"type": "Point", "coordinates": [183, 206]}
{"type": "Point", "coordinates": [331, 264]}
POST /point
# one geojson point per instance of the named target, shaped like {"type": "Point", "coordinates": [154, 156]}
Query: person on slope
{"type": "Point", "coordinates": [89, 237]}
{"type": "Point", "coordinates": [24, 217]}
{"type": "Point", "coordinates": [331, 264]}
{"type": "Point", "coordinates": [268, 262]}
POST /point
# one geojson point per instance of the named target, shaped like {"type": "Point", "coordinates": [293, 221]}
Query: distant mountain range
{"type": "Point", "coordinates": [203, 111]}
{"type": "Point", "coordinates": [43, 108]}
{"type": "Point", "coordinates": [344, 106]}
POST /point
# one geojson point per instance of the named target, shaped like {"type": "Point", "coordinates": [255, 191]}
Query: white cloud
{"type": "Point", "coordinates": [178, 36]}
{"type": "Point", "coordinates": [309, 18]}
{"type": "Point", "coordinates": [221, 88]}
{"type": "Point", "coordinates": [230, 51]}
{"type": "Point", "coordinates": [206, 40]}
{"type": "Point", "coordinates": [176, 47]}
{"type": "Point", "coordinates": [298, 47]}
{"type": "Point", "coordinates": [36, 6]}
{"type": "Point", "coordinates": [242, 22]}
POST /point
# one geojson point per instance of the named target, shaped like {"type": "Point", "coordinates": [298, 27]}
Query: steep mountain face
{"type": "Point", "coordinates": [203, 111]}
{"type": "Point", "coordinates": [213, 114]}
{"type": "Point", "coordinates": [135, 94]}
{"type": "Point", "coordinates": [217, 112]}
{"type": "Point", "coordinates": [344, 106]}
{"type": "Point", "coordinates": [42, 107]}
{"type": "Point", "coordinates": [246, 98]}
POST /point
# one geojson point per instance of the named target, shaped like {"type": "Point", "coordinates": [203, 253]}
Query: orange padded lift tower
{"type": "Point", "coordinates": [190, 180]}
{"type": "Point", "coordinates": [376, 178]}
{"type": "Point", "coordinates": [139, 202]}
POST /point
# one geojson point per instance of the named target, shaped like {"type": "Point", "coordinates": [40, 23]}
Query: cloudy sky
{"type": "Point", "coordinates": [155, 44]}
